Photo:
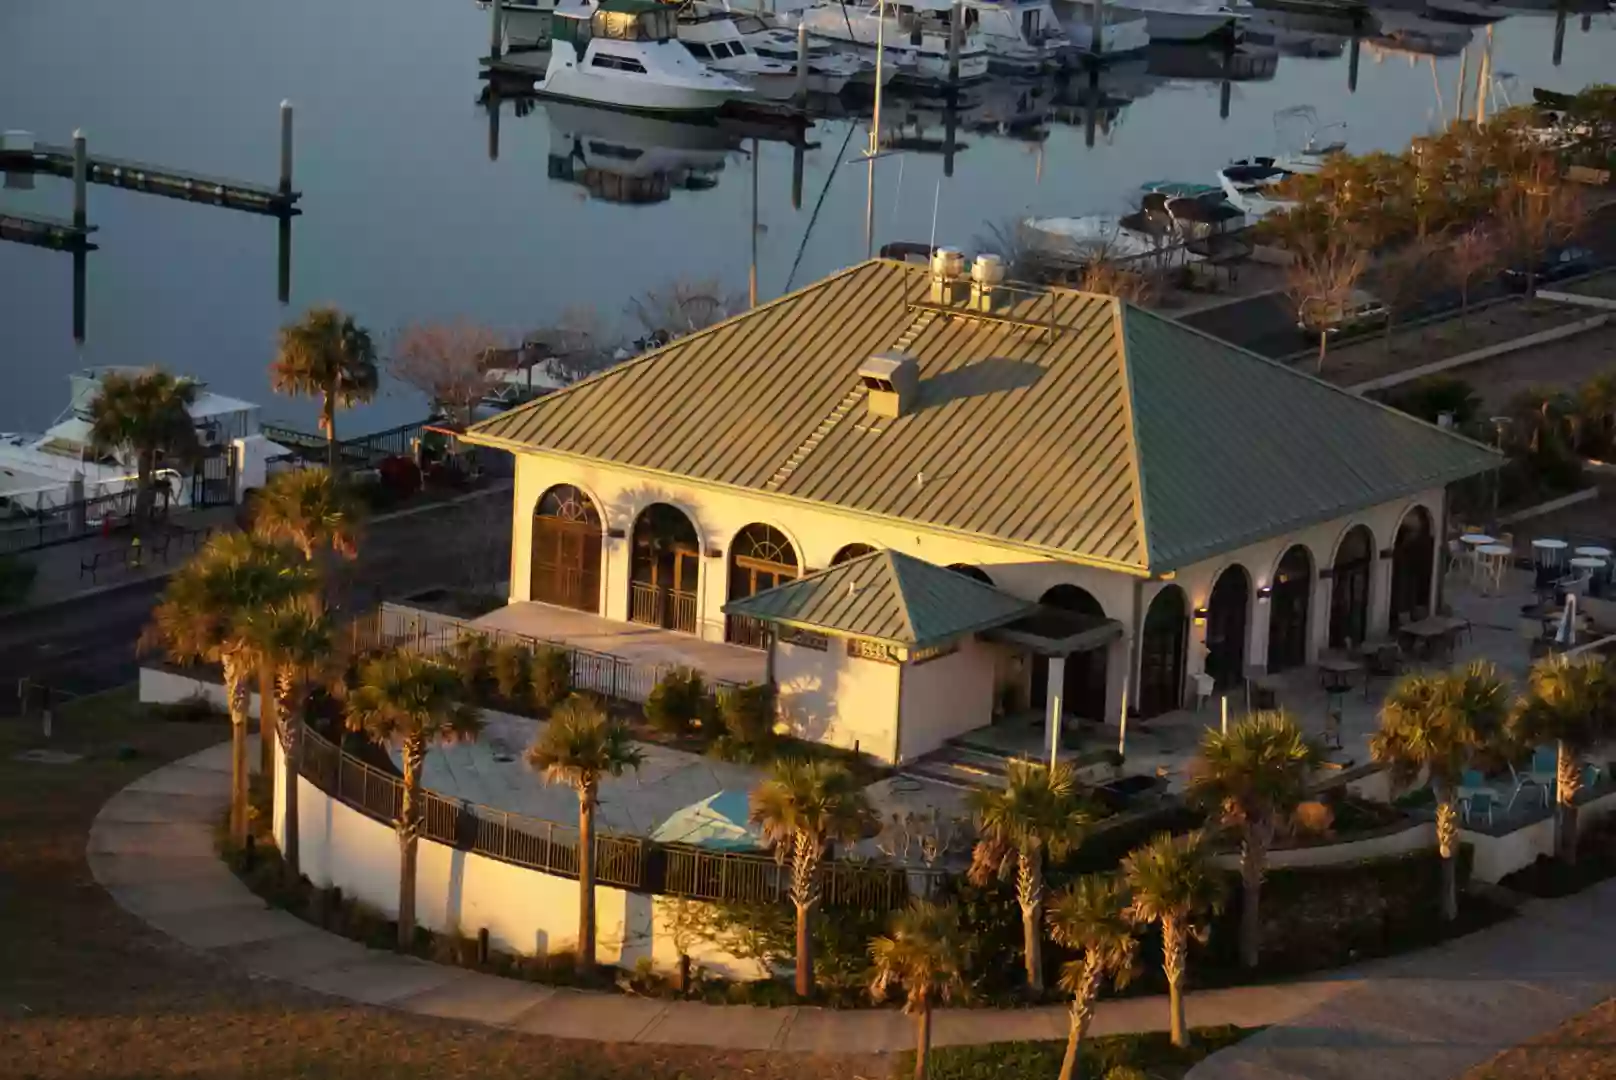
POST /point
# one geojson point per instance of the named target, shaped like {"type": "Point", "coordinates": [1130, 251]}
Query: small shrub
{"type": "Point", "coordinates": [196, 709]}
{"type": "Point", "coordinates": [512, 669]}
{"type": "Point", "coordinates": [1313, 819]}
{"type": "Point", "coordinates": [473, 657]}
{"type": "Point", "coordinates": [746, 714]}
{"type": "Point", "coordinates": [400, 476]}
{"type": "Point", "coordinates": [676, 703]}
{"type": "Point", "coordinates": [551, 677]}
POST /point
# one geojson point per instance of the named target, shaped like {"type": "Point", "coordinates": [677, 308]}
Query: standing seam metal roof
{"type": "Point", "coordinates": [1124, 439]}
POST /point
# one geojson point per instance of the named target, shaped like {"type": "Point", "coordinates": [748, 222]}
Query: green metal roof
{"type": "Point", "coordinates": [887, 596]}
{"type": "Point", "coordinates": [1122, 440]}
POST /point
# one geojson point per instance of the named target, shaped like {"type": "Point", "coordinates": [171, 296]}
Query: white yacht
{"type": "Point", "coordinates": [626, 54]}
{"type": "Point", "coordinates": [914, 34]}
{"type": "Point", "coordinates": [1022, 37]}
{"type": "Point", "coordinates": [830, 69]}
{"type": "Point", "coordinates": [1252, 184]}
{"type": "Point", "coordinates": [1185, 20]}
{"type": "Point", "coordinates": [527, 24]}
{"type": "Point", "coordinates": [714, 36]}
{"type": "Point", "coordinates": [633, 159]}
{"type": "Point", "coordinates": [1122, 32]}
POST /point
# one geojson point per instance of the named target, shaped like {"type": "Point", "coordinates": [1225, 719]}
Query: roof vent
{"type": "Point", "coordinates": [893, 382]}
{"type": "Point", "coordinates": [947, 270]}
{"type": "Point", "coordinates": [987, 274]}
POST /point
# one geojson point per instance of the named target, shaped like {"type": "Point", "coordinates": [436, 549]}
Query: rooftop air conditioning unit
{"type": "Point", "coordinates": [987, 274]}
{"type": "Point", "coordinates": [947, 270]}
{"type": "Point", "coordinates": [892, 380]}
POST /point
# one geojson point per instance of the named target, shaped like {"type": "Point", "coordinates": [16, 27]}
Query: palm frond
{"type": "Point", "coordinates": [926, 952]}
{"type": "Point", "coordinates": [404, 695]}
{"type": "Point", "coordinates": [311, 509]}
{"type": "Point", "coordinates": [1172, 877]}
{"type": "Point", "coordinates": [1255, 773]}
{"type": "Point", "coordinates": [581, 744]}
{"type": "Point", "coordinates": [816, 799]}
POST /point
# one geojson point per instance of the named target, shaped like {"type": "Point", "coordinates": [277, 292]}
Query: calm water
{"type": "Point", "coordinates": [406, 217]}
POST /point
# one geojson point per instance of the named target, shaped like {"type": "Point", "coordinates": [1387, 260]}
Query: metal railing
{"type": "Point", "coordinates": [745, 631]}
{"type": "Point", "coordinates": [362, 450]}
{"type": "Point", "coordinates": [657, 605]}
{"type": "Point", "coordinates": [627, 862]}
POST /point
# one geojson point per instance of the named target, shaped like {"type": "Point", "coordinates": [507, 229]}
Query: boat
{"type": "Point", "coordinates": [913, 34]}
{"type": "Point", "coordinates": [1291, 34]}
{"type": "Point", "coordinates": [712, 36]}
{"type": "Point", "coordinates": [629, 158]}
{"type": "Point", "coordinates": [1413, 33]}
{"type": "Point", "coordinates": [47, 471]}
{"type": "Point", "coordinates": [626, 54]}
{"type": "Point", "coordinates": [1252, 185]}
{"type": "Point", "coordinates": [1465, 12]}
{"type": "Point", "coordinates": [830, 69]}
{"type": "Point", "coordinates": [527, 24]}
{"type": "Point", "coordinates": [1022, 37]}
{"type": "Point", "coordinates": [1185, 20]}
{"type": "Point", "coordinates": [1123, 33]}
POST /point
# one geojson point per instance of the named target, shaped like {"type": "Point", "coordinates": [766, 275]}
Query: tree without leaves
{"type": "Point", "coordinates": [1251, 779]}
{"type": "Point", "coordinates": [926, 953]}
{"type": "Point", "coordinates": [204, 616]}
{"type": "Point", "coordinates": [1090, 917]}
{"type": "Point", "coordinates": [684, 306]}
{"type": "Point", "coordinates": [577, 345]}
{"type": "Point", "coordinates": [1402, 279]}
{"type": "Point", "coordinates": [1535, 213]}
{"type": "Point", "coordinates": [415, 700]}
{"type": "Point", "coordinates": [1324, 271]}
{"type": "Point", "coordinates": [802, 808]}
{"type": "Point", "coordinates": [147, 416]}
{"type": "Point", "coordinates": [1470, 256]}
{"type": "Point", "coordinates": [447, 362]}
{"type": "Point", "coordinates": [329, 357]}
{"type": "Point", "coordinates": [1038, 815]}
{"type": "Point", "coordinates": [1174, 884]}
{"type": "Point", "coordinates": [1435, 726]}
{"type": "Point", "coordinates": [580, 746]}
{"type": "Point", "coordinates": [1571, 702]}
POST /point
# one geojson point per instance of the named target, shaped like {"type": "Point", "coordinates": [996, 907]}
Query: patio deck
{"type": "Point", "coordinates": [638, 644]}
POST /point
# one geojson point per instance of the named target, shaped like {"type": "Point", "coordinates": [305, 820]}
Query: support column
{"type": "Point", "coordinates": [1054, 688]}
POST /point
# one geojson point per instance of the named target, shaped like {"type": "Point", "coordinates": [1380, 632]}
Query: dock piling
{"type": "Point", "coordinates": [81, 180]}
{"type": "Point", "coordinates": [1352, 59]}
{"type": "Point", "coordinates": [496, 41]}
{"type": "Point", "coordinates": [1559, 34]}
{"type": "Point", "coordinates": [80, 262]}
{"type": "Point", "coordinates": [798, 153]}
{"type": "Point", "coordinates": [283, 261]}
{"type": "Point", "coordinates": [801, 92]}
{"type": "Point", "coordinates": [1096, 31]}
{"type": "Point", "coordinates": [956, 23]}
{"type": "Point", "coordinates": [286, 148]}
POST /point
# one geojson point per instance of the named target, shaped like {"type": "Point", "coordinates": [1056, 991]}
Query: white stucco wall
{"type": "Point", "coordinates": [525, 911]}
{"type": "Point", "coordinates": [818, 530]}
{"type": "Point", "coordinates": [842, 700]}
{"type": "Point", "coordinates": [1418, 836]}
{"type": "Point", "coordinates": [1496, 857]}
{"type": "Point", "coordinates": [945, 697]}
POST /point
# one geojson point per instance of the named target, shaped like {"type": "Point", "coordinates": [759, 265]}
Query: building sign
{"type": "Point", "coordinates": [935, 652]}
{"type": "Point", "coordinates": [879, 651]}
{"type": "Point", "coordinates": [807, 639]}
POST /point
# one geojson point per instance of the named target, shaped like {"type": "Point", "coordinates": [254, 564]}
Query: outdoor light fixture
{"type": "Point", "coordinates": [1265, 592]}
{"type": "Point", "coordinates": [1200, 616]}
{"type": "Point", "coordinates": [715, 553]}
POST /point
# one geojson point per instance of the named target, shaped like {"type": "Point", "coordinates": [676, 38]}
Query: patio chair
{"type": "Point", "coordinates": [1590, 776]}
{"type": "Point", "coordinates": [1478, 803]}
{"type": "Point", "coordinates": [1472, 778]}
{"type": "Point", "coordinates": [1203, 684]}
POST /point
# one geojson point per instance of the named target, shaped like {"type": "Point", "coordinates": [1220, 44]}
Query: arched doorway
{"type": "Point", "coordinates": [1412, 554]}
{"type": "Point", "coordinates": [566, 550]}
{"type": "Point", "coordinates": [1288, 601]}
{"type": "Point", "coordinates": [849, 553]}
{"type": "Point", "coordinates": [664, 569]}
{"type": "Point", "coordinates": [975, 573]}
{"type": "Point", "coordinates": [1349, 588]}
{"type": "Point", "coordinates": [760, 557]}
{"type": "Point", "coordinates": [1083, 689]}
{"type": "Point", "coordinates": [1226, 622]}
{"type": "Point", "coordinates": [1161, 653]}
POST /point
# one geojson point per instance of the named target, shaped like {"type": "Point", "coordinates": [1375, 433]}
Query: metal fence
{"type": "Point", "coordinates": [627, 862]}
{"type": "Point", "coordinates": [362, 451]}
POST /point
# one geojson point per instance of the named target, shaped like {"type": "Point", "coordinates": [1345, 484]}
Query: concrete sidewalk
{"type": "Point", "coordinates": [1429, 1015]}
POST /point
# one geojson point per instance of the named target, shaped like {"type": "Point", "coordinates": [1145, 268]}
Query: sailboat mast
{"type": "Point", "coordinates": [875, 130]}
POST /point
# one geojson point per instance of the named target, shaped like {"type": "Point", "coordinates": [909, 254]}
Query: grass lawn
{"type": "Point", "coordinates": [87, 990]}
{"type": "Point", "coordinates": [1583, 1048]}
{"type": "Point", "coordinates": [1152, 1054]}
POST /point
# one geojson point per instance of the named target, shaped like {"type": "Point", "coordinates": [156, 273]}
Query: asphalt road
{"type": "Point", "coordinates": [1266, 324]}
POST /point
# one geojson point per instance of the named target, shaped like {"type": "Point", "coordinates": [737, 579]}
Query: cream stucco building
{"type": "Point", "coordinates": [1150, 506]}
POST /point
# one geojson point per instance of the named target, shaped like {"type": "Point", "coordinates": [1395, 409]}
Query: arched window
{"type": "Point", "coordinates": [760, 558]}
{"type": "Point", "coordinates": [1084, 687]}
{"type": "Point", "coordinates": [1349, 588]}
{"type": "Point", "coordinates": [849, 553]}
{"type": "Point", "coordinates": [1226, 620]}
{"type": "Point", "coordinates": [1413, 560]}
{"type": "Point", "coordinates": [976, 573]}
{"type": "Point", "coordinates": [664, 569]}
{"type": "Point", "coordinates": [1162, 645]}
{"type": "Point", "coordinates": [1289, 595]}
{"type": "Point", "coordinates": [566, 550]}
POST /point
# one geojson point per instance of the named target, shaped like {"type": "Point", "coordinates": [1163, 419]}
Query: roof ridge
{"type": "Point", "coordinates": [900, 585]}
{"type": "Point", "coordinates": [1120, 309]}
{"type": "Point", "coordinates": [636, 361]}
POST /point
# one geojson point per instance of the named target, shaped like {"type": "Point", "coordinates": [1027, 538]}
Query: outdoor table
{"type": "Point", "coordinates": [1593, 551]}
{"type": "Point", "coordinates": [1548, 552]}
{"type": "Point", "coordinates": [1337, 672]}
{"type": "Point", "coordinates": [1437, 629]}
{"type": "Point", "coordinates": [1588, 562]}
{"type": "Point", "coordinates": [1477, 539]}
{"type": "Point", "coordinates": [1494, 558]}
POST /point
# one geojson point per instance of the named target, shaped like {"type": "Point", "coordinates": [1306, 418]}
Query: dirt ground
{"type": "Point", "coordinates": [1583, 1048]}
{"type": "Point", "coordinates": [1565, 364]}
{"type": "Point", "coordinates": [86, 990]}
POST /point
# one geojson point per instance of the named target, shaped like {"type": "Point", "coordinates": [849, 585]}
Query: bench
{"type": "Point", "coordinates": [105, 559]}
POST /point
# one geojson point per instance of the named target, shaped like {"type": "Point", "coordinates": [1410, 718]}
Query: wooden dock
{"type": "Point", "coordinates": [39, 230]}
{"type": "Point", "coordinates": [155, 180]}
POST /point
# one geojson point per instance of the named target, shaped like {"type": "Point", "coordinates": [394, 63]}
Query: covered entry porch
{"type": "Point", "coordinates": [1069, 652]}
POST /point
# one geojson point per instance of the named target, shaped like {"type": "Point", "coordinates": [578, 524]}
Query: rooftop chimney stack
{"type": "Point", "coordinates": [987, 274]}
{"type": "Point", "coordinates": [947, 268]}
{"type": "Point", "coordinates": [892, 380]}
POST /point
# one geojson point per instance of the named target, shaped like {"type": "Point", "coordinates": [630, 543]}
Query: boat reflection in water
{"type": "Point", "coordinates": [627, 158]}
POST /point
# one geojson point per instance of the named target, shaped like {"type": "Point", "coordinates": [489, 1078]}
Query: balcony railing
{"type": "Point", "coordinates": [746, 631]}
{"type": "Point", "coordinates": [656, 605]}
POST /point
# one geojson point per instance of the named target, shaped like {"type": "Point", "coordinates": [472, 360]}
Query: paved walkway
{"type": "Point", "coordinates": [1428, 1016]}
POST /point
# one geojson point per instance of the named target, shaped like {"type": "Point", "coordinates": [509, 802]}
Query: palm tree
{"type": "Point", "coordinates": [1252, 778]}
{"type": "Point", "coordinates": [1570, 701]}
{"type": "Point", "coordinates": [146, 415]}
{"type": "Point", "coordinates": [205, 616]}
{"type": "Point", "coordinates": [581, 745]}
{"type": "Point", "coordinates": [1174, 883]}
{"type": "Point", "coordinates": [326, 356]}
{"type": "Point", "coordinates": [1435, 726]}
{"type": "Point", "coordinates": [311, 510]}
{"type": "Point", "coordinates": [1091, 918]}
{"type": "Point", "coordinates": [1039, 814]}
{"type": "Point", "coordinates": [802, 808]}
{"type": "Point", "coordinates": [416, 700]}
{"type": "Point", "coordinates": [926, 953]}
{"type": "Point", "coordinates": [296, 644]}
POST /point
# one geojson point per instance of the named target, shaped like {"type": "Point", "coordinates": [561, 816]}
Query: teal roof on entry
{"type": "Point", "coordinates": [886, 596]}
